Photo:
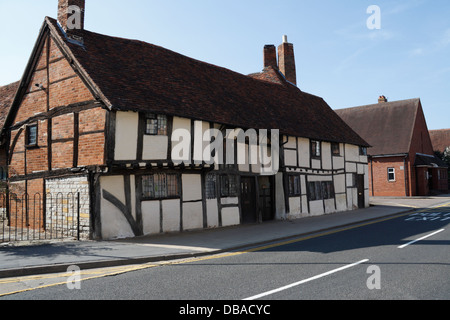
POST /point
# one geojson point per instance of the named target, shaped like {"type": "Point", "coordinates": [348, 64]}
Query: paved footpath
{"type": "Point", "coordinates": [58, 256]}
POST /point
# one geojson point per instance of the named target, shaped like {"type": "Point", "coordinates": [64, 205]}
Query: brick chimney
{"type": "Point", "coordinates": [71, 14]}
{"type": "Point", "coordinates": [270, 56]}
{"type": "Point", "coordinates": [286, 61]}
{"type": "Point", "coordinates": [382, 99]}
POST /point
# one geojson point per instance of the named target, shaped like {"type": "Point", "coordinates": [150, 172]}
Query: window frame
{"type": "Point", "coordinates": [211, 186]}
{"type": "Point", "coordinates": [161, 180]}
{"type": "Point", "coordinates": [294, 185]}
{"type": "Point", "coordinates": [161, 125]}
{"type": "Point", "coordinates": [336, 149]}
{"type": "Point", "coordinates": [27, 135]}
{"type": "Point", "coordinates": [393, 173]}
{"type": "Point", "coordinates": [227, 189]}
{"type": "Point", "coordinates": [316, 149]}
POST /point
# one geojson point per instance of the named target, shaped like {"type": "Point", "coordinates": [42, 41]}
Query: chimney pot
{"type": "Point", "coordinates": [382, 99]}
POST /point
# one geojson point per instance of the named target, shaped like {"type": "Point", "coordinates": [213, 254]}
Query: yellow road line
{"type": "Point", "coordinates": [122, 270]}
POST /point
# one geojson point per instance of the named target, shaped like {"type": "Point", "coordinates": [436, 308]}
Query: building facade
{"type": "Point", "coordinates": [128, 125]}
{"type": "Point", "coordinates": [401, 160]}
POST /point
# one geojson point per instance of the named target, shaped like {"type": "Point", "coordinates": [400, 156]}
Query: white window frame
{"type": "Point", "coordinates": [391, 171]}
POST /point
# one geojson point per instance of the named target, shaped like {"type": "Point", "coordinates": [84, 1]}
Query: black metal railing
{"type": "Point", "coordinates": [39, 217]}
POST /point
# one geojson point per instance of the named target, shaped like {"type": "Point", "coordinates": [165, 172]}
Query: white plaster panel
{"type": "Point", "coordinates": [326, 156]}
{"type": "Point", "coordinates": [185, 125]}
{"type": "Point", "coordinates": [192, 187]}
{"type": "Point", "coordinates": [360, 168]}
{"type": "Point", "coordinates": [212, 212]}
{"type": "Point", "coordinates": [155, 147]}
{"type": "Point", "coordinates": [126, 135]}
{"type": "Point", "coordinates": [339, 183]}
{"type": "Point", "coordinates": [316, 208]}
{"type": "Point", "coordinates": [292, 143]}
{"type": "Point", "coordinates": [350, 167]}
{"type": "Point", "coordinates": [171, 215]}
{"type": "Point", "coordinates": [338, 163]}
{"type": "Point", "coordinates": [290, 157]}
{"type": "Point", "coordinates": [305, 204]}
{"type": "Point", "coordinates": [295, 206]}
{"type": "Point", "coordinates": [303, 152]}
{"type": "Point", "coordinates": [229, 200]}
{"type": "Point", "coordinates": [151, 217]}
{"type": "Point", "coordinates": [114, 224]}
{"type": "Point", "coordinates": [329, 206]}
{"type": "Point", "coordinates": [192, 216]}
{"type": "Point", "coordinates": [351, 152]}
{"type": "Point", "coordinates": [341, 202]}
{"type": "Point", "coordinates": [315, 164]}
{"type": "Point", "coordinates": [230, 217]}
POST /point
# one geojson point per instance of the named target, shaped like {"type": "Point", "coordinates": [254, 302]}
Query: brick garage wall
{"type": "Point", "coordinates": [379, 183]}
{"type": "Point", "coordinates": [62, 204]}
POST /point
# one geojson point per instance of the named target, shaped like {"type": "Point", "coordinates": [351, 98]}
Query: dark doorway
{"type": "Point", "coordinates": [248, 199]}
{"type": "Point", "coordinates": [266, 198]}
{"type": "Point", "coordinates": [361, 196]}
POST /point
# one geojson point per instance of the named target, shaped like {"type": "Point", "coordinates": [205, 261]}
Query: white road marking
{"type": "Point", "coordinates": [425, 237]}
{"type": "Point", "coordinates": [307, 280]}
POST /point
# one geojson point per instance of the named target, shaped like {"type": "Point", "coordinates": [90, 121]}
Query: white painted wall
{"type": "Point", "coordinates": [155, 147]}
{"type": "Point", "coordinates": [126, 135]}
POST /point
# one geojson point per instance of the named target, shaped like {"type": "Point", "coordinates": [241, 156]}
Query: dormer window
{"type": "Point", "coordinates": [156, 125]}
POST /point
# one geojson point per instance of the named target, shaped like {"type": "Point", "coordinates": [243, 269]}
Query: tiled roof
{"type": "Point", "coordinates": [440, 139]}
{"type": "Point", "coordinates": [387, 126]}
{"type": "Point", "coordinates": [138, 76]}
{"type": "Point", "coordinates": [7, 94]}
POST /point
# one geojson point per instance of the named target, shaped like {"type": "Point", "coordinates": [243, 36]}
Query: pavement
{"type": "Point", "coordinates": [55, 257]}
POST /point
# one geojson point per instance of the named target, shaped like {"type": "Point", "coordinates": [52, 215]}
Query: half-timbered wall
{"type": "Point", "coordinates": [199, 200]}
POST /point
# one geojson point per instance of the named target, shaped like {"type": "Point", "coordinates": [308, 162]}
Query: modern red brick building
{"type": "Point", "coordinates": [401, 160]}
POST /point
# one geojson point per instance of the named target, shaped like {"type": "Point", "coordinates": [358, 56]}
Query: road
{"type": "Point", "coordinates": [399, 258]}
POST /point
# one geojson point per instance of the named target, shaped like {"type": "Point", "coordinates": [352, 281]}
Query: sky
{"type": "Point", "coordinates": [339, 56]}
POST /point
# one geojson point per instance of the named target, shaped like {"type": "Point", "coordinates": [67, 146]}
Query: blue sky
{"type": "Point", "coordinates": [337, 56]}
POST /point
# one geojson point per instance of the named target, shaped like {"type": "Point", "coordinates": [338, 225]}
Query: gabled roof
{"type": "Point", "coordinates": [387, 127]}
{"type": "Point", "coordinates": [132, 75]}
{"type": "Point", "coordinates": [7, 94]}
{"type": "Point", "coordinates": [440, 139]}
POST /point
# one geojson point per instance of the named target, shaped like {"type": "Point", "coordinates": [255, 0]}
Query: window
{"type": "Point", "coordinates": [161, 186]}
{"type": "Point", "coordinates": [294, 186]}
{"type": "Point", "coordinates": [31, 135]}
{"type": "Point", "coordinates": [315, 191]}
{"type": "Point", "coordinates": [362, 151]}
{"type": "Point", "coordinates": [315, 149]}
{"type": "Point", "coordinates": [335, 149]}
{"type": "Point", "coordinates": [321, 190]}
{"type": "Point", "coordinates": [327, 190]}
{"type": "Point", "coordinates": [391, 174]}
{"type": "Point", "coordinates": [211, 180]}
{"type": "Point", "coordinates": [228, 186]}
{"type": "Point", "coordinates": [156, 125]}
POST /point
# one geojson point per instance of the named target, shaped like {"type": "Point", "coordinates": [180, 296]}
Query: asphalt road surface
{"type": "Point", "coordinates": [401, 258]}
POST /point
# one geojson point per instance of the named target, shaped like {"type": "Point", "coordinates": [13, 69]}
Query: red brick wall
{"type": "Point", "coordinates": [379, 185]}
{"type": "Point", "coordinates": [63, 88]}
